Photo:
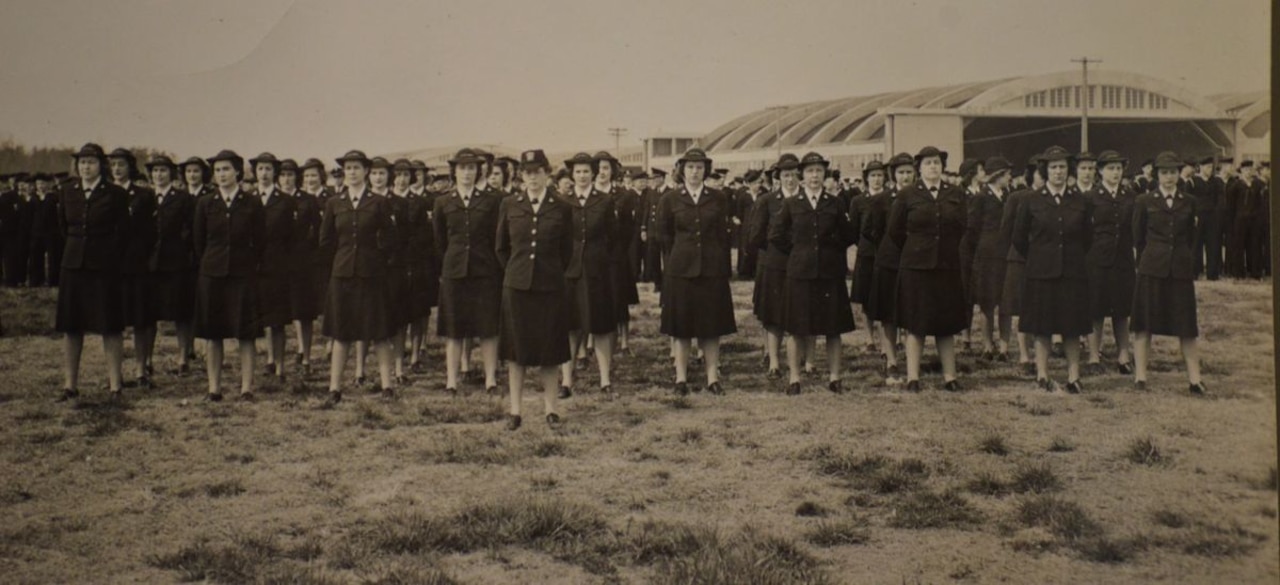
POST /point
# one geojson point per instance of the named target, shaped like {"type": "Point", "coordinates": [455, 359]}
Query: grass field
{"type": "Point", "coordinates": [1000, 484]}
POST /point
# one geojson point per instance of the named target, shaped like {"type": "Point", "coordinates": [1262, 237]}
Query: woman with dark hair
{"type": "Point", "coordinates": [93, 216]}
{"type": "Point", "coordinates": [814, 231]}
{"type": "Point", "coordinates": [465, 223]}
{"type": "Point", "coordinates": [172, 260]}
{"type": "Point", "coordinates": [864, 265]}
{"type": "Point", "coordinates": [695, 227]}
{"type": "Point", "coordinates": [139, 306]}
{"type": "Point", "coordinates": [276, 273]}
{"type": "Point", "coordinates": [653, 254]}
{"type": "Point", "coordinates": [1164, 300]}
{"type": "Point", "coordinates": [1052, 232]}
{"type": "Point", "coordinates": [589, 272]}
{"type": "Point", "coordinates": [927, 222]}
{"type": "Point", "coordinates": [972, 181]}
{"type": "Point", "coordinates": [982, 238]}
{"type": "Point", "coordinates": [535, 307]}
{"type": "Point", "coordinates": [1015, 262]}
{"type": "Point", "coordinates": [423, 269]}
{"type": "Point", "coordinates": [882, 301]}
{"type": "Point", "coordinates": [769, 303]}
{"type": "Point", "coordinates": [197, 177]}
{"type": "Point", "coordinates": [357, 226]}
{"type": "Point", "coordinates": [229, 235]}
{"type": "Point", "coordinates": [307, 293]}
{"type": "Point", "coordinates": [1110, 260]}
{"type": "Point", "coordinates": [626, 204]}
{"type": "Point", "coordinates": [398, 263]}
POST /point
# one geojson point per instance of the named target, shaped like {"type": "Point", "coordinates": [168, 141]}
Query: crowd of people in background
{"type": "Point", "coordinates": [538, 265]}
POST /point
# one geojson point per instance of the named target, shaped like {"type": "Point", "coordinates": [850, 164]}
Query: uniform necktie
{"type": "Point", "coordinates": [1168, 201]}
{"type": "Point", "coordinates": [582, 200]}
{"type": "Point", "coordinates": [1057, 200]}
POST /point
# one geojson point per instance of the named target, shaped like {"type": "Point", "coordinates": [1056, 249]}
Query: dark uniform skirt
{"type": "Point", "coordinates": [227, 308]}
{"type": "Point", "coordinates": [986, 282]}
{"type": "Point", "coordinates": [275, 300]}
{"type": "Point", "coordinates": [89, 302]}
{"type": "Point", "coordinates": [817, 307]}
{"type": "Point", "coordinates": [697, 307]}
{"type": "Point", "coordinates": [174, 295]}
{"type": "Point", "coordinates": [1055, 307]}
{"type": "Point", "coordinates": [864, 268]}
{"type": "Point", "coordinates": [770, 298]}
{"type": "Point", "coordinates": [535, 327]}
{"type": "Point", "coordinates": [1011, 297]}
{"type": "Point", "coordinates": [652, 263]}
{"type": "Point", "coordinates": [424, 293]}
{"type": "Point", "coordinates": [138, 300]}
{"type": "Point", "coordinates": [1110, 293]}
{"type": "Point", "coordinates": [883, 301]}
{"type": "Point", "coordinates": [1164, 306]}
{"type": "Point", "coordinates": [625, 293]}
{"type": "Point", "coordinates": [307, 296]}
{"type": "Point", "coordinates": [932, 302]}
{"type": "Point", "coordinates": [357, 310]}
{"type": "Point", "coordinates": [592, 305]}
{"type": "Point", "coordinates": [469, 307]}
{"type": "Point", "coordinates": [398, 298]}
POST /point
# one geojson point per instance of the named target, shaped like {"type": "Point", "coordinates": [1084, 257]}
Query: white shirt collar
{"type": "Point", "coordinates": [125, 185]}
{"type": "Point", "coordinates": [1058, 194]}
{"type": "Point", "coordinates": [267, 193]}
{"type": "Point", "coordinates": [467, 195]}
{"type": "Point", "coordinates": [581, 194]}
{"type": "Point", "coordinates": [355, 194]}
{"type": "Point", "coordinates": [696, 194]}
{"type": "Point", "coordinates": [228, 196]}
{"type": "Point", "coordinates": [540, 198]}
{"type": "Point", "coordinates": [1110, 191]}
{"type": "Point", "coordinates": [166, 191]}
{"type": "Point", "coordinates": [94, 185]}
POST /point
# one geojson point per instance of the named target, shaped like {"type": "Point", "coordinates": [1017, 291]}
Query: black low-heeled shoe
{"type": "Point", "coordinates": [554, 421]}
{"type": "Point", "coordinates": [565, 392]}
{"type": "Point", "coordinates": [1125, 368]}
{"type": "Point", "coordinates": [1074, 387]}
{"type": "Point", "coordinates": [1028, 368]}
{"type": "Point", "coordinates": [793, 389]}
{"type": "Point", "coordinates": [1002, 357]}
{"type": "Point", "coordinates": [774, 374]}
{"type": "Point", "coordinates": [451, 391]}
{"type": "Point", "coordinates": [1046, 384]}
{"type": "Point", "coordinates": [1140, 385]}
{"type": "Point", "coordinates": [332, 400]}
{"type": "Point", "coordinates": [513, 422]}
{"type": "Point", "coordinates": [715, 388]}
{"type": "Point", "coordinates": [952, 386]}
{"type": "Point", "coordinates": [269, 369]}
{"type": "Point", "coordinates": [1198, 389]}
{"type": "Point", "coordinates": [836, 387]}
{"type": "Point", "coordinates": [247, 397]}
{"type": "Point", "coordinates": [388, 393]}
{"type": "Point", "coordinates": [681, 389]}
{"type": "Point", "coordinates": [492, 391]}
{"type": "Point", "coordinates": [68, 395]}
{"type": "Point", "coordinates": [913, 386]}
{"type": "Point", "coordinates": [607, 392]}
{"type": "Point", "coordinates": [213, 397]}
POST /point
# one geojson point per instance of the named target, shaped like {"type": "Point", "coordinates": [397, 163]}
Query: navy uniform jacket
{"type": "Point", "coordinates": [306, 228]}
{"type": "Point", "coordinates": [696, 237]}
{"type": "Point", "coordinates": [859, 212]}
{"type": "Point", "coordinates": [175, 216]}
{"type": "Point", "coordinates": [1010, 216]}
{"type": "Point", "coordinates": [876, 227]}
{"type": "Point", "coordinates": [1112, 223]}
{"type": "Point", "coordinates": [765, 212]}
{"type": "Point", "coordinates": [534, 248]}
{"type": "Point", "coordinates": [95, 228]}
{"type": "Point", "coordinates": [983, 228]}
{"type": "Point", "coordinates": [815, 240]}
{"type": "Point", "coordinates": [280, 213]}
{"type": "Point", "coordinates": [142, 230]}
{"type": "Point", "coordinates": [594, 234]}
{"type": "Point", "coordinates": [398, 207]}
{"type": "Point", "coordinates": [421, 239]}
{"type": "Point", "coordinates": [649, 214]}
{"type": "Point", "coordinates": [929, 230]}
{"type": "Point", "coordinates": [1165, 236]}
{"type": "Point", "coordinates": [12, 210]}
{"type": "Point", "coordinates": [229, 239]}
{"type": "Point", "coordinates": [465, 235]}
{"type": "Point", "coordinates": [360, 237]}
{"type": "Point", "coordinates": [42, 217]}
{"type": "Point", "coordinates": [1054, 237]}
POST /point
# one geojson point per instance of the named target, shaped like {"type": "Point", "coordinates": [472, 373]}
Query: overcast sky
{"type": "Point", "coordinates": [317, 77]}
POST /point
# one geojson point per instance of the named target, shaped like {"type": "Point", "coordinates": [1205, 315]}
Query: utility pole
{"type": "Point", "coordinates": [777, 127]}
{"type": "Point", "coordinates": [1084, 102]}
{"type": "Point", "coordinates": [617, 139]}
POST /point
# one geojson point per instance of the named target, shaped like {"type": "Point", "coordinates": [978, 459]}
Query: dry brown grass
{"type": "Point", "coordinates": [1003, 483]}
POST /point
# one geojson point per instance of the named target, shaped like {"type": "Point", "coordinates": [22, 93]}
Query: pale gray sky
{"type": "Point", "coordinates": [317, 77]}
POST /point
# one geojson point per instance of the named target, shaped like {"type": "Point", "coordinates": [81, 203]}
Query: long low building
{"type": "Point", "coordinates": [1135, 114]}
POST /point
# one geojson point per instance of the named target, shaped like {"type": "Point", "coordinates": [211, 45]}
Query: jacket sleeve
{"type": "Point", "coordinates": [1088, 224]}
{"type": "Point", "coordinates": [1140, 225]}
{"type": "Point", "coordinates": [1021, 232]}
{"type": "Point", "coordinates": [259, 235]}
{"type": "Point", "coordinates": [1007, 218]}
{"type": "Point", "coordinates": [612, 227]}
{"type": "Point", "coordinates": [328, 228]}
{"type": "Point", "coordinates": [897, 228]}
{"type": "Point", "coordinates": [780, 230]}
{"type": "Point", "coordinates": [198, 230]}
{"type": "Point", "coordinates": [502, 240]}
{"type": "Point", "coordinates": [973, 224]}
{"type": "Point", "coordinates": [440, 227]}
{"type": "Point", "coordinates": [666, 224]}
{"type": "Point", "coordinates": [848, 230]}
{"type": "Point", "coordinates": [566, 239]}
{"type": "Point", "coordinates": [758, 225]}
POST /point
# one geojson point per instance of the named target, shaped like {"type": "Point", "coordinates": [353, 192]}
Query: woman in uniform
{"type": "Point", "coordinates": [883, 300]}
{"type": "Point", "coordinates": [139, 306]}
{"type": "Point", "coordinates": [276, 272]}
{"type": "Point", "coordinates": [986, 280]}
{"type": "Point", "coordinates": [769, 295]}
{"type": "Point", "coordinates": [927, 221]}
{"type": "Point", "coordinates": [398, 268]}
{"type": "Point", "coordinates": [1164, 300]}
{"type": "Point", "coordinates": [423, 269]}
{"type": "Point", "coordinates": [465, 223]}
{"type": "Point", "coordinates": [814, 230]}
{"type": "Point", "coordinates": [653, 254]}
{"type": "Point", "coordinates": [1015, 262]}
{"type": "Point", "coordinates": [312, 278]}
{"type": "Point", "coordinates": [229, 235]}
{"type": "Point", "coordinates": [1110, 259]}
{"type": "Point", "coordinates": [196, 177]}
{"type": "Point", "coordinates": [172, 261]}
{"type": "Point", "coordinates": [1052, 232]}
{"type": "Point", "coordinates": [864, 265]}
{"type": "Point", "coordinates": [589, 273]}
{"type": "Point", "coordinates": [694, 227]}
{"type": "Point", "coordinates": [94, 217]}
{"type": "Point", "coordinates": [535, 306]}
{"type": "Point", "coordinates": [626, 205]}
{"type": "Point", "coordinates": [357, 227]}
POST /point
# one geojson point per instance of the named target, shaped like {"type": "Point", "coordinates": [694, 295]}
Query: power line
{"type": "Point", "coordinates": [1084, 102]}
{"type": "Point", "coordinates": [617, 139]}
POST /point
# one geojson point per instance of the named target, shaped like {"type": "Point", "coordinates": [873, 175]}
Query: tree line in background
{"type": "Point", "coordinates": [16, 157]}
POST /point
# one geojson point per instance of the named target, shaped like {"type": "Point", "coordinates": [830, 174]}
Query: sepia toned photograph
{"type": "Point", "coordinates": [688, 292]}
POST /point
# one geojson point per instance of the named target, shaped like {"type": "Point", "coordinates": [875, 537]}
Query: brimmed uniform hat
{"type": "Point", "coordinates": [466, 156]}
{"type": "Point", "coordinates": [787, 162]}
{"type": "Point", "coordinates": [604, 156]}
{"type": "Point", "coordinates": [1168, 160]}
{"type": "Point", "coordinates": [1086, 155]}
{"type": "Point", "coordinates": [1055, 153]}
{"type": "Point", "coordinates": [534, 159]}
{"type": "Point", "coordinates": [379, 163]}
{"type": "Point", "coordinates": [930, 151]}
{"type": "Point", "coordinates": [268, 158]}
{"type": "Point", "coordinates": [751, 176]}
{"type": "Point", "coordinates": [290, 165]}
{"type": "Point", "coordinates": [90, 150]}
{"type": "Point", "coordinates": [969, 165]}
{"type": "Point", "coordinates": [695, 155]}
{"type": "Point", "coordinates": [354, 156]}
{"type": "Point", "coordinates": [162, 160]}
{"type": "Point", "coordinates": [229, 155]}
{"type": "Point", "coordinates": [813, 158]}
{"type": "Point", "coordinates": [874, 165]}
{"type": "Point", "coordinates": [206, 173]}
{"type": "Point", "coordinates": [43, 176]}
{"type": "Point", "coordinates": [125, 154]}
{"type": "Point", "coordinates": [900, 159]}
{"type": "Point", "coordinates": [658, 173]}
{"type": "Point", "coordinates": [402, 165]}
{"type": "Point", "coordinates": [312, 163]}
{"type": "Point", "coordinates": [996, 165]}
{"type": "Point", "coordinates": [582, 158]}
{"type": "Point", "coordinates": [1110, 156]}
{"type": "Point", "coordinates": [1208, 160]}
